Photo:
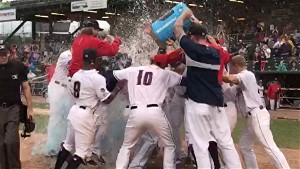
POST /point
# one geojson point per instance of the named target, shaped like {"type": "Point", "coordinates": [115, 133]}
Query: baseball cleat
{"type": "Point", "coordinates": [96, 160]}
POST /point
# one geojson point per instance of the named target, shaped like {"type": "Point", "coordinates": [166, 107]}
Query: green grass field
{"type": "Point", "coordinates": [285, 132]}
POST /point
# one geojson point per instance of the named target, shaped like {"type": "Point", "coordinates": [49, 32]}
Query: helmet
{"type": "Point", "coordinates": [89, 55]}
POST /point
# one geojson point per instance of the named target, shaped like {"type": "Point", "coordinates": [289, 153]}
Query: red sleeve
{"type": "Point", "coordinates": [107, 49]}
{"type": "Point", "coordinates": [224, 59]}
{"type": "Point", "coordinates": [175, 56]}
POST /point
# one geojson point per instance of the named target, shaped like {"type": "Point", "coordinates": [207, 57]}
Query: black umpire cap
{"type": "Point", "coordinates": [92, 24]}
{"type": "Point", "coordinates": [89, 55]}
{"type": "Point", "coordinates": [197, 30]}
{"type": "Point", "coordinates": [3, 50]}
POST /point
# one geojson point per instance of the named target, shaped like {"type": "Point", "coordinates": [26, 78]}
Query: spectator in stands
{"type": "Point", "coordinates": [278, 44]}
{"type": "Point", "coordinates": [266, 51]}
{"type": "Point", "coordinates": [275, 33]}
{"type": "Point", "coordinates": [25, 61]}
{"type": "Point", "coordinates": [281, 67]}
{"type": "Point", "coordinates": [261, 90]}
{"type": "Point", "coordinates": [273, 94]}
{"type": "Point", "coordinates": [243, 51]}
{"type": "Point", "coordinates": [293, 64]}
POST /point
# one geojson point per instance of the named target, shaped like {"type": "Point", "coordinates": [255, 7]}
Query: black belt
{"type": "Point", "coordinates": [249, 113]}
{"type": "Point", "coordinates": [7, 104]}
{"type": "Point", "coordinates": [57, 82]}
{"type": "Point", "coordinates": [149, 105]}
{"type": "Point", "coordinates": [82, 107]}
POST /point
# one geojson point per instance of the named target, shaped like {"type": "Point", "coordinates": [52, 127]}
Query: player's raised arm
{"type": "Point", "coordinates": [178, 26]}
{"type": "Point", "coordinates": [239, 65]}
{"type": "Point", "coordinates": [109, 98]}
{"type": "Point", "coordinates": [105, 48]}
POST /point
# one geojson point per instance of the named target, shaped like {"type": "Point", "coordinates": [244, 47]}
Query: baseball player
{"type": "Point", "coordinates": [149, 147]}
{"type": "Point", "coordinates": [88, 88]}
{"type": "Point", "coordinates": [205, 113]}
{"type": "Point", "coordinates": [102, 125]}
{"type": "Point", "coordinates": [59, 108]}
{"type": "Point", "coordinates": [258, 118]}
{"type": "Point", "coordinates": [147, 88]}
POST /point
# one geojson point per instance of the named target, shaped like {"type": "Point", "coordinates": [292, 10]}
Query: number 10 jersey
{"type": "Point", "coordinates": [147, 84]}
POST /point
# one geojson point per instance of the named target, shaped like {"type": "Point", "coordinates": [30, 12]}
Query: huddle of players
{"type": "Point", "coordinates": [205, 117]}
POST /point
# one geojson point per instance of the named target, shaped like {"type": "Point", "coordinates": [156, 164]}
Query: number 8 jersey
{"type": "Point", "coordinates": [88, 87]}
{"type": "Point", "coordinates": [147, 84]}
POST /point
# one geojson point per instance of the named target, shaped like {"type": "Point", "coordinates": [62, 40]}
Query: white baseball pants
{"type": "Point", "coordinates": [144, 151]}
{"type": "Point", "coordinates": [206, 121]}
{"type": "Point", "coordinates": [272, 104]}
{"type": "Point", "coordinates": [81, 131]}
{"type": "Point", "coordinates": [101, 128]}
{"type": "Point", "coordinates": [140, 120]}
{"type": "Point", "coordinates": [175, 114]}
{"type": "Point", "coordinates": [231, 113]}
{"type": "Point", "coordinates": [257, 127]}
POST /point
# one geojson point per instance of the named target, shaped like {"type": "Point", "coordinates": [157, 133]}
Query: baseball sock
{"type": "Point", "coordinates": [213, 150]}
{"type": "Point", "coordinates": [75, 162]}
{"type": "Point", "coordinates": [61, 158]}
{"type": "Point", "coordinates": [192, 153]}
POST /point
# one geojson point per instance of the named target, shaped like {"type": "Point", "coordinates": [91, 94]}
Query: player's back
{"type": "Point", "coordinates": [61, 70]}
{"type": "Point", "coordinates": [85, 84]}
{"type": "Point", "coordinates": [149, 84]}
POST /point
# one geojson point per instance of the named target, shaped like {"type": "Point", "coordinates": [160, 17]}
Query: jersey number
{"type": "Point", "coordinates": [147, 78]}
{"type": "Point", "coordinates": [76, 89]}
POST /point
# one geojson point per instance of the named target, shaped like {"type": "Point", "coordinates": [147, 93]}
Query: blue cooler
{"type": "Point", "coordinates": [163, 28]}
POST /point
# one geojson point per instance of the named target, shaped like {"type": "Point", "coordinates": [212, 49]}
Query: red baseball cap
{"type": "Point", "coordinates": [161, 58]}
{"type": "Point", "coordinates": [175, 55]}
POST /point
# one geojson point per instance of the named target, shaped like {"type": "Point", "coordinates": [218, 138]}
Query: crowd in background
{"type": "Point", "coordinates": [274, 51]}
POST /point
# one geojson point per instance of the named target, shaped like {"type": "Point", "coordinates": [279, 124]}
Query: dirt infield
{"type": "Point", "coordinates": [30, 161]}
{"type": "Point", "coordinates": [40, 162]}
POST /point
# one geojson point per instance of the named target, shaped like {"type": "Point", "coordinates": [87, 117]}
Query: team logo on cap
{"type": "Point", "coordinates": [14, 77]}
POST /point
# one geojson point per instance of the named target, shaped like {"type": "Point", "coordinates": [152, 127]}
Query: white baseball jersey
{"type": "Point", "coordinates": [88, 87]}
{"type": "Point", "coordinates": [249, 90]}
{"type": "Point", "coordinates": [61, 71]}
{"type": "Point", "coordinates": [147, 84]}
{"type": "Point", "coordinates": [228, 94]}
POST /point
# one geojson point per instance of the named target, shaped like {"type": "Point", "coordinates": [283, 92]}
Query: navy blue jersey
{"type": "Point", "coordinates": [203, 65]}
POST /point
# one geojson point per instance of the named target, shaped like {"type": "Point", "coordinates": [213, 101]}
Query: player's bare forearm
{"type": "Point", "coordinates": [112, 96]}
{"type": "Point", "coordinates": [233, 79]}
{"type": "Point", "coordinates": [178, 28]}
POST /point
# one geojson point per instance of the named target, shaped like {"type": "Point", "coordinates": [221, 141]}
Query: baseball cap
{"type": "Point", "coordinates": [3, 50]}
{"type": "Point", "coordinates": [89, 55]}
{"type": "Point", "coordinates": [161, 58]}
{"type": "Point", "coordinates": [92, 23]}
{"type": "Point", "coordinates": [198, 30]}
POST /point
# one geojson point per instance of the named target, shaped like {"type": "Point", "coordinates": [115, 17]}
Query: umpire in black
{"type": "Point", "coordinates": [13, 78]}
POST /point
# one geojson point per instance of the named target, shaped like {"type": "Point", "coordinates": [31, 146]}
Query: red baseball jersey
{"type": "Point", "coordinates": [83, 42]}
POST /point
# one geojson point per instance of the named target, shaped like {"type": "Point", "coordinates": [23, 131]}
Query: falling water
{"type": "Point", "coordinates": [140, 47]}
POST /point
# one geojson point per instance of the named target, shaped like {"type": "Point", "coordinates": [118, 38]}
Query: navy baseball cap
{"type": "Point", "coordinates": [89, 55]}
{"type": "Point", "coordinates": [92, 24]}
{"type": "Point", "coordinates": [3, 50]}
{"type": "Point", "coordinates": [197, 30]}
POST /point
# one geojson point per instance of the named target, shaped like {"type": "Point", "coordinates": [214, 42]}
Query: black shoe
{"type": "Point", "coordinates": [95, 160]}
{"type": "Point", "coordinates": [75, 162]}
{"type": "Point", "coordinates": [61, 158]}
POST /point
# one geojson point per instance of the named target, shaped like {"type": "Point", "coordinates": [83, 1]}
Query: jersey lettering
{"type": "Point", "coordinates": [76, 89]}
{"type": "Point", "coordinates": [147, 78]}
